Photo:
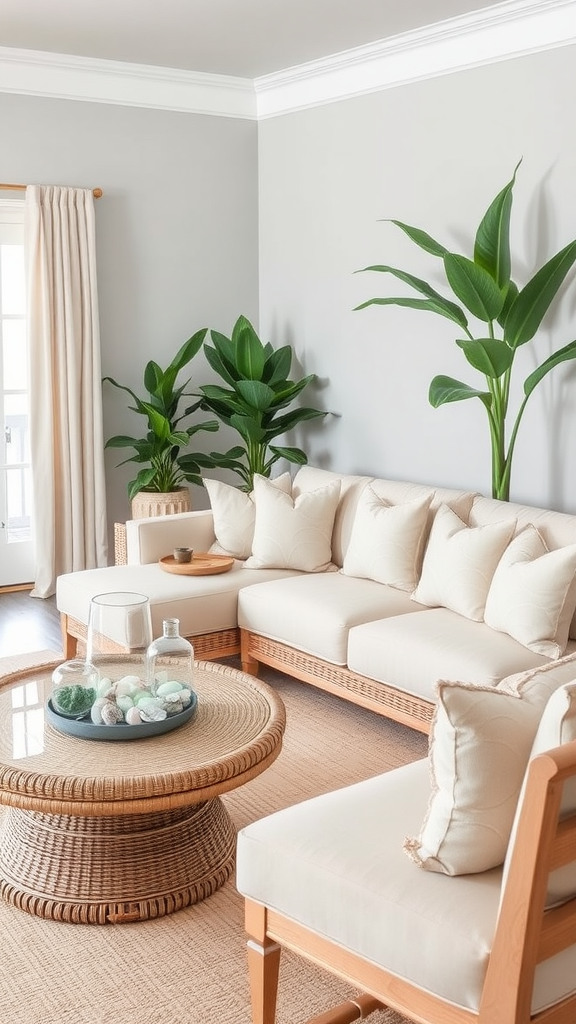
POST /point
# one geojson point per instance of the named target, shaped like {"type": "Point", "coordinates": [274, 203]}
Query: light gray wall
{"type": "Point", "coordinates": [433, 154]}
{"type": "Point", "coordinates": [177, 232]}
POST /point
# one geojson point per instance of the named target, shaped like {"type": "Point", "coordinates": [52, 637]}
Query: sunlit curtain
{"type": "Point", "coordinates": [67, 448]}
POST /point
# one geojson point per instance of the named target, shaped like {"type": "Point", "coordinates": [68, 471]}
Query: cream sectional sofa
{"type": "Point", "coordinates": [393, 586]}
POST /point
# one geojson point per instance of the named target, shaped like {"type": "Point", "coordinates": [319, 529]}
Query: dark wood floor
{"type": "Point", "coordinates": [28, 624]}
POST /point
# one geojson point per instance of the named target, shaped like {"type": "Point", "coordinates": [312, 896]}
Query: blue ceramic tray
{"type": "Point", "coordinates": [85, 729]}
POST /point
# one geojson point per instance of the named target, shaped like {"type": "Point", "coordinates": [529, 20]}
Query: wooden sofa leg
{"type": "Point", "coordinates": [69, 642]}
{"type": "Point", "coordinates": [249, 664]}
{"type": "Point", "coordinates": [263, 967]}
{"type": "Point", "coordinates": [346, 1013]}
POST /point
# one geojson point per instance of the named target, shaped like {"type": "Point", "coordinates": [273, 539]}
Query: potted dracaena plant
{"type": "Point", "coordinates": [508, 316]}
{"type": "Point", "coordinates": [254, 401]}
{"type": "Point", "coordinates": [166, 468]}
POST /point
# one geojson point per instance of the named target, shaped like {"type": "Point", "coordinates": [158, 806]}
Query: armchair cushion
{"type": "Point", "coordinates": [335, 864]}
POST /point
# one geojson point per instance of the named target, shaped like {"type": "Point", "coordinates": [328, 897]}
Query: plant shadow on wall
{"type": "Point", "coordinates": [509, 318]}
{"type": "Point", "coordinates": [166, 467]}
{"type": "Point", "coordinates": [257, 402]}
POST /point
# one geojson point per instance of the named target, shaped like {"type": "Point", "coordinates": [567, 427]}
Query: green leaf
{"type": "Point", "coordinates": [188, 350]}
{"type": "Point", "coordinates": [249, 350]}
{"type": "Point", "coordinates": [144, 478]}
{"type": "Point", "coordinates": [226, 351]}
{"type": "Point", "coordinates": [247, 427]}
{"type": "Point", "coordinates": [561, 356]}
{"type": "Point", "coordinates": [121, 441]}
{"type": "Point", "coordinates": [277, 368]}
{"type": "Point", "coordinates": [425, 289]}
{"type": "Point", "coordinates": [220, 366]}
{"type": "Point", "coordinates": [291, 419]}
{"type": "Point", "coordinates": [474, 287]}
{"type": "Point", "coordinates": [443, 308]}
{"type": "Point", "coordinates": [255, 393]}
{"type": "Point", "coordinates": [294, 455]}
{"type": "Point", "coordinates": [446, 389]}
{"type": "Point", "coordinates": [488, 355]}
{"type": "Point", "coordinates": [511, 294]}
{"type": "Point", "coordinates": [533, 301]}
{"type": "Point", "coordinates": [153, 375]}
{"type": "Point", "coordinates": [421, 238]}
{"type": "Point", "coordinates": [492, 244]}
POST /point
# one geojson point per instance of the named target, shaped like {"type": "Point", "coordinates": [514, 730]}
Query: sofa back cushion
{"type": "Point", "coordinates": [387, 540]}
{"type": "Point", "coordinates": [533, 593]}
{"type": "Point", "coordinates": [396, 492]}
{"type": "Point", "coordinates": [293, 532]}
{"type": "Point", "coordinates": [234, 514]}
{"type": "Point", "coordinates": [557, 529]}
{"type": "Point", "coordinates": [459, 563]}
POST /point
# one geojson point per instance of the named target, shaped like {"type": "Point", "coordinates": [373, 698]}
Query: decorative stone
{"type": "Point", "coordinates": [111, 713]}
{"type": "Point", "coordinates": [133, 716]}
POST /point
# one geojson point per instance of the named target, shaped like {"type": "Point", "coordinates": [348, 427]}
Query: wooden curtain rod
{"type": "Point", "coordinates": [96, 192]}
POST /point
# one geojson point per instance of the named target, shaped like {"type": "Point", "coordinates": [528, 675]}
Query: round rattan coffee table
{"type": "Point", "coordinates": [101, 832]}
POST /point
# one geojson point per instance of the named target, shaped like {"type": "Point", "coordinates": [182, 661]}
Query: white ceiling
{"type": "Point", "coordinates": [246, 38]}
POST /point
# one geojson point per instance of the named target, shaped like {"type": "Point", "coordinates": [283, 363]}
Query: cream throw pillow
{"type": "Point", "coordinates": [387, 540]}
{"type": "Point", "coordinates": [537, 685]}
{"type": "Point", "coordinates": [533, 593]}
{"type": "Point", "coordinates": [459, 563]}
{"type": "Point", "coordinates": [234, 516]}
{"type": "Point", "coordinates": [479, 747]}
{"type": "Point", "coordinates": [293, 533]}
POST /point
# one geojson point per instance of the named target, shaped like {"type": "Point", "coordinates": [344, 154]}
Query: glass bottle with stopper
{"type": "Point", "coordinates": [170, 661]}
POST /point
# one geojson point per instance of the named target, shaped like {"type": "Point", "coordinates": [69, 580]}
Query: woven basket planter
{"type": "Point", "coordinates": [150, 503]}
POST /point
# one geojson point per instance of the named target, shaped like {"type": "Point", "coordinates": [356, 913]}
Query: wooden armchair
{"type": "Point", "coordinates": [472, 949]}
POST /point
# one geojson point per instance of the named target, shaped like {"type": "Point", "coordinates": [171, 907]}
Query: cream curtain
{"type": "Point", "coordinates": [67, 447]}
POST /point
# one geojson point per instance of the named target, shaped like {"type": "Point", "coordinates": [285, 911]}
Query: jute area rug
{"type": "Point", "coordinates": [190, 967]}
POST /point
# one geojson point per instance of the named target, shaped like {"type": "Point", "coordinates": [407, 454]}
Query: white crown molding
{"type": "Point", "coordinates": [61, 76]}
{"type": "Point", "coordinates": [511, 29]}
{"type": "Point", "coordinates": [506, 30]}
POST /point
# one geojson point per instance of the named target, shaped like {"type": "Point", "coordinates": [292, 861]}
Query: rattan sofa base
{"type": "Point", "coordinates": [385, 700]}
{"type": "Point", "coordinates": [207, 646]}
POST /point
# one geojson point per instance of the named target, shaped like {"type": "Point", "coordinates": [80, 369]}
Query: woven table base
{"type": "Point", "coordinates": [115, 869]}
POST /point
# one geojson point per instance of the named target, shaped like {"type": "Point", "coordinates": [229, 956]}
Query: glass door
{"type": "Point", "coordinates": [16, 527]}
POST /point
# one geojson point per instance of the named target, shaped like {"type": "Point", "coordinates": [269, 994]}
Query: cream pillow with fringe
{"type": "Point", "coordinates": [480, 743]}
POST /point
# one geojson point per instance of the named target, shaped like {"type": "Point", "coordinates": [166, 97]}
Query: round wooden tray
{"type": "Point", "coordinates": [202, 564]}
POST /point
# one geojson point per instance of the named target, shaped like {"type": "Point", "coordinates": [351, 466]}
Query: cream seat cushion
{"type": "Point", "coordinates": [459, 563]}
{"type": "Point", "coordinates": [414, 651]}
{"type": "Point", "coordinates": [315, 613]}
{"type": "Point", "coordinates": [203, 604]}
{"type": "Point", "coordinates": [335, 864]}
{"type": "Point", "coordinates": [533, 593]}
{"type": "Point", "coordinates": [293, 533]}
